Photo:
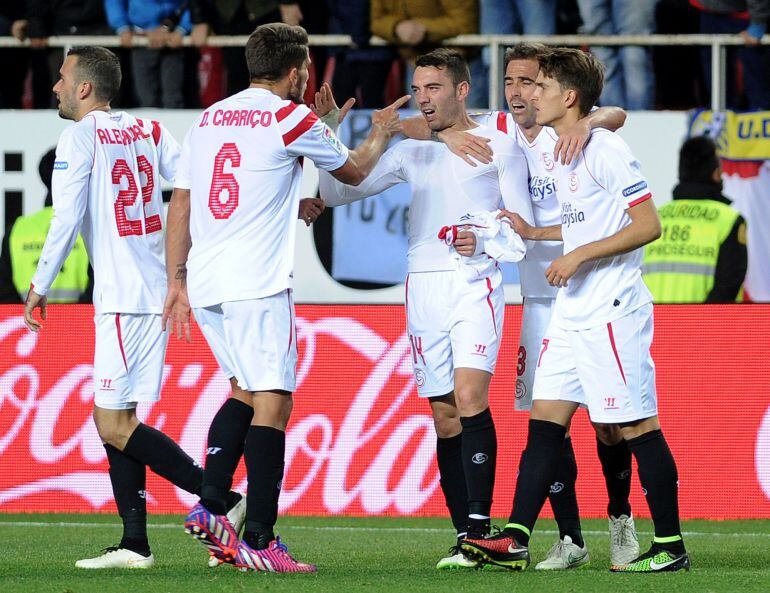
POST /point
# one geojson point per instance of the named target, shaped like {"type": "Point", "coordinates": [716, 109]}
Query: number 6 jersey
{"type": "Point", "coordinates": [106, 186]}
{"type": "Point", "coordinates": [240, 161]}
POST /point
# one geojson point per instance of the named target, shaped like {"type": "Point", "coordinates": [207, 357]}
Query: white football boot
{"type": "Point", "coordinates": [563, 555]}
{"type": "Point", "coordinates": [116, 557]}
{"type": "Point", "coordinates": [624, 545]}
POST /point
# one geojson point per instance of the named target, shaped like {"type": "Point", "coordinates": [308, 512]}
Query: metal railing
{"type": "Point", "coordinates": [496, 44]}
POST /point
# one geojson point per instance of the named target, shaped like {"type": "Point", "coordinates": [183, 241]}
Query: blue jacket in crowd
{"type": "Point", "coordinates": [145, 14]}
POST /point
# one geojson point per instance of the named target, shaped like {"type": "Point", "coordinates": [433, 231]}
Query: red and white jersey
{"type": "Point", "coordinates": [444, 188]}
{"type": "Point", "coordinates": [594, 192]}
{"type": "Point", "coordinates": [241, 163]}
{"type": "Point", "coordinates": [106, 185]}
{"type": "Point", "coordinates": [542, 193]}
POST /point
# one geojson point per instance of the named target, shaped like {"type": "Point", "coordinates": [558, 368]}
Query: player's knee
{"type": "Point", "coordinates": [447, 426]}
{"type": "Point", "coordinates": [471, 400]}
{"type": "Point", "coordinates": [609, 434]}
{"type": "Point", "coordinates": [115, 426]}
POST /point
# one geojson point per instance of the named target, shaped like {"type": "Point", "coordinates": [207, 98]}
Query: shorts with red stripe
{"type": "Point", "coordinates": [607, 369]}
{"type": "Point", "coordinates": [130, 350]}
{"type": "Point", "coordinates": [254, 340]}
{"type": "Point", "coordinates": [452, 323]}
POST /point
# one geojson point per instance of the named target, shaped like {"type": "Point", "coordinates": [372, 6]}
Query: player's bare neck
{"type": "Point", "coordinates": [569, 119]}
{"type": "Point", "coordinates": [463, 123]}
{"type": "Point", "coordinates": [275, 87]}
{"type": "Point", "coordinates": [531, 133]}
{"type": "Point", "coordinates": [91, 108]}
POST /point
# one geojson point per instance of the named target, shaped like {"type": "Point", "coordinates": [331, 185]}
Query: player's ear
{"type": "Point", "coordinates": [85, 89]}
{"type": "Point", "coordinates": [293, 75]}
{"type": "Point", "coordinates": [462, 89]}
{"type": "Point", "coordinates": [570, 98]}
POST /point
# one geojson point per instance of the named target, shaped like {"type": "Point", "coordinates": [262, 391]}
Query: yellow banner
{"type": "Point", "coordinates": [739, 136]}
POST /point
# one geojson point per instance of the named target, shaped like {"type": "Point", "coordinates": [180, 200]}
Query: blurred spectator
{"type": "Point", "coordinates": [13, 22]}
{"type": "Point", "coordinates": [238, 17]}
{"type": "Point", "coordinates": [701, 255]}
{"type": "Point", "coordinates": [58, 17]}
{"type": "Point", "coordinates": [507, 17]}
{"type": "Point", "coordinates": [750, 19]}
{"type": "Point", "coordinates": [420, 25]}
{"type": "Point", "coordinates": [629, 80]}
{"type": "Point", "coordinates": [360, 71]}
{"type": "Point", "coordinates": [22, 245]}
{"type": "Point", "coordinates": [158, 70]}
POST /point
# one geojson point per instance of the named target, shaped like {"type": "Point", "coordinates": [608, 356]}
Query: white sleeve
{"type": "Point", "coordinates": [617, 170]}
{"type": "Point", "coordinates": [70, 182]}
{"type": "Point", "coordinates": [514, 183]}
{"type": "Point", "coordinates": [183, 175]}
{"type": "Point", "coordinates": [304, 135]}
{"type": "Point", "coordinates": [386, 173]}
{"type": "Point", "coordinates": [168, 154]}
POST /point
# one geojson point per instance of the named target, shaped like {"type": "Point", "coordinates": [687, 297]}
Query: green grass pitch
{"type": "Point", "coordinates": [364, 554]}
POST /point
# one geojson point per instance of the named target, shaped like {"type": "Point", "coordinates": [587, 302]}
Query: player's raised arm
{"type": "Point", "coordinates": [385, 124]}
{"type": "Point", "coordinates": [71, 175]}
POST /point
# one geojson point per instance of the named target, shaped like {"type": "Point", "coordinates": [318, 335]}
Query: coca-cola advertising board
{"type": "Point", "coordinates": [360, 441]}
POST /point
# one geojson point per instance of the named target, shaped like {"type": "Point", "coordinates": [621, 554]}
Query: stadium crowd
{"type": "Point", "coordinates": [166, 74]}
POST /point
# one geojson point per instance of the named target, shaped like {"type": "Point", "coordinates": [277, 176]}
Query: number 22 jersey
{"type": "Point", "coordinates": [241, 163]}
{"type": "Point", "coordinates": [106, 186]}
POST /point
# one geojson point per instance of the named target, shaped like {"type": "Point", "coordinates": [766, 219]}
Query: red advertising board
{"type": "Point", "coordinates": [360, 441]}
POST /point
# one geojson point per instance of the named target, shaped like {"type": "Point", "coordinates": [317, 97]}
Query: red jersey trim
{"type": "Point", "coordinates": [156, 132]}
{"type": "Point", "coordinates": [615, 352]}
{"type": "Point", "coordinates": [299, 129]}
{"type": "Point", "coordinates": [120, 340]}
{"type": "Point", "coordinates": [502, 122]}
{"type": "Point", "coordinates": [644, 198]}
{"type": "Point", "coordinates": [286, 111]}
{"type": "Point", "coordinates": [489, 302]}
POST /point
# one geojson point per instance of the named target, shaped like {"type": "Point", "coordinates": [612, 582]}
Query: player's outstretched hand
{"type": "Point", "coordinates": [467, 146]}
{"type": "Point", "coordinates": [310, 209]}
{"type": "Point", "coordinates": [518, 224]}
{"type": "Point", "coordinates": [388, 120]}
{"type": "Point", "coordinates": [324, 105]}
{"type": "Point", "coordinates": [465, 244]}
{"type": "Point", "coordinates": [177, 309]}
{"type": "Point", "coordinates": [571, 141]}
{"type": "Point", "coordinates": [563, 268]}
{"type": "Point", "coordinates": [34, 301]}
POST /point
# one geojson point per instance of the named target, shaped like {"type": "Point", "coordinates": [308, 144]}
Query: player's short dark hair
{"type": "Point", "coordinates": [450, 60]}
{"type": "Point", "coordinates": [523, 51]}
{"type": "Point", "coordinates": [698, 160]}
{"type": "Point", "coordinates": [274, 49]}
{"type": "Point", "coordinates": [576, 70]}
{"type": "Point", "coordinates": [100, 67]}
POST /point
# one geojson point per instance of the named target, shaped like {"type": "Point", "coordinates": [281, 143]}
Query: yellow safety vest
{"type": "Point", "coordinates": [26, 244]}
{"type": "Point", "coordinates": [679, 267]}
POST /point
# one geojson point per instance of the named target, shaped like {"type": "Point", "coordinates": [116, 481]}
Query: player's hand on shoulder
{"type": "Point", "coordinates": [310, 209]}
{"type": "Point", "coordinates": [467, 146]}
{"type": "Point", "coordinates": [563, 268]}
{"type": "Point", "coordinates": [325, 106]}
{"type": "Point", "coordinates": [387, 120]}
{"type": "Point", "coordinates": [517, 223]}
{"type": "Point", "coordinates": [34, 301]}
{"type": "Point", "coordinates": [465, 244]}
{"type": "Point", "coordinates": [571, 141]}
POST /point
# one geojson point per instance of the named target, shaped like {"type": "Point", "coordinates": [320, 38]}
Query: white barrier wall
{"type": "Point", "coordinates": [655, 138]}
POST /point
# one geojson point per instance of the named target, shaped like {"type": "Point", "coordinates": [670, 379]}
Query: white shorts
{"type": "Point", "coordinates": [535, 319]}
{"type": "Point", "coordinates": [452, 323]}
{"type": "Point", "coordinates": [606, 368]}
{"type": "Point", "coordinates": [254, 341]}
{"type": "Point", "coordinates": [129, 354]}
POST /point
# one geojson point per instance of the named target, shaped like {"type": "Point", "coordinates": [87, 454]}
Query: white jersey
{"type": "Point", "coordinates": [241, 163]}
{"type": "Point", "coordinates": [444, 188]}
{"type": "Point", "coordinates": [594, 192]}
{"type": "Point", "coordinates": [542, 193]}
{"type": "Point", "coordinates": [106, 186]}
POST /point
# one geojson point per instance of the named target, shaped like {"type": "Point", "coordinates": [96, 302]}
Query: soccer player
{"type": "Point", "coordinates": [542, 149]}
{"type": "Point", "coordinates": [454, 325]}
{"type": "Point", "coordinates": [231, 223]}
{"type": "Point", "coordinates": [106, 185]}
{"type": "Point", "coordinates": [596, 350]}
